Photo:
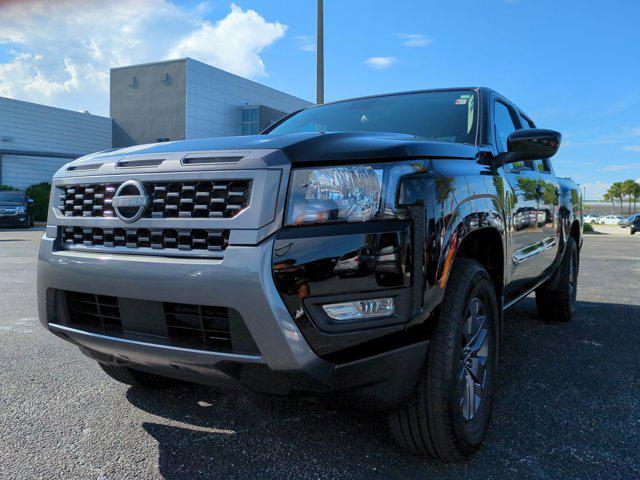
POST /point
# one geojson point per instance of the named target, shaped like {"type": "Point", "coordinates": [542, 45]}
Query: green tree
{"type": "Point", "coordinates": [607, 197]}
{"type": "Point", "coordinates": [635, 195]}
{"type": "Point", "coordinates": [628, 189]}
{"type": "Point", "coordinates": [616, 192]}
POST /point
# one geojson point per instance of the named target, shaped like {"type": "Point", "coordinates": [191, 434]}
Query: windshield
{"type": "Point", "coordinates": [12, 197]}
{"type": "Point", "coordinates": [445, 116]}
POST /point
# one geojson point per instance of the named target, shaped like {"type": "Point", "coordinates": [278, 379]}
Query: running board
{"type": "Point", "coordinates": [522, 295]}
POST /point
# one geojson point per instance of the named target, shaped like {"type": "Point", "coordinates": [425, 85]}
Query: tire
{"type": "Point", "coordinates": [27, 224]}
{"type": "Point", "coordinates": [438, 421]}
{"type": "Point", "coordinates": [137, 378]}
{"type": "Point", "coordinates": [556, 298]}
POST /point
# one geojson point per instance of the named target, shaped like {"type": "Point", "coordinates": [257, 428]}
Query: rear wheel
{"type": "Point", "coordinates": [449, 414]}
{"type": "Point", "coordinates": [138, 378]}
{"type": "Point", "coordinates": [556, 298]}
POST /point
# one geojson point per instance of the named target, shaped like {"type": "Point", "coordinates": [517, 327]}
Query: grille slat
{"type": "Point", "coordinates": [195, 199]}
{"type": "Point", "coordinates": [98, 313]}
{"type": "Point", "coordinates": [157, 239]}
{"type": "Point", "coordinates": [190, 326]}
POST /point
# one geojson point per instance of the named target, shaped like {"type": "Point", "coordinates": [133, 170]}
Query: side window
{"type": "Point", "coordinates": [542, 165]}
{"type": "Point", "coordinates": [504, 125]}
{"type": "Point", "coordinates": [525, 122]}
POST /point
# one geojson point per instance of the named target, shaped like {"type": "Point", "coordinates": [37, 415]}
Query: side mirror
{"type": "Point", "coordinates": [533, 144]}
{"type": "Point", "coordinates": [29, 200]}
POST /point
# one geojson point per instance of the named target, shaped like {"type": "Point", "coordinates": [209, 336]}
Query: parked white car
{"type": "Point", "coordinates": [588, 218]}
{"type": "Point", "coordinates": [612, 220]}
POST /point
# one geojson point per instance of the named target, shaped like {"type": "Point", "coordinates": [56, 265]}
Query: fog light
{"type": "Point", "coordinates": [376, 307]}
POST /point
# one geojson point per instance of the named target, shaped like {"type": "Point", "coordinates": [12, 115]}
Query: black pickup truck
{"type": "Point", "coordinates": [363, 251]}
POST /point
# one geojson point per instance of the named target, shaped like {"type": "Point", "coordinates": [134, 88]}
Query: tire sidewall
{"type": "Point", "coordinates": [471, 433]}
{"type": "Point", "coordinates": [572, 296]}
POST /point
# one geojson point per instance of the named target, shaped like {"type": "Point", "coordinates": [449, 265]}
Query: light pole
{"type": "Point", "coordinates": [320, 56]}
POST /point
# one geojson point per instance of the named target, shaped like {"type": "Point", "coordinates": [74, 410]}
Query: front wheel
{"type": "Point", "coordinates": [448, 416]}
{"type": "Point", "coordinates": [556, 298]}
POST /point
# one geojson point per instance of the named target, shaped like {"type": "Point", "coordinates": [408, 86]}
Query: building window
{"type": "Point", "coordinates": [250, 120]}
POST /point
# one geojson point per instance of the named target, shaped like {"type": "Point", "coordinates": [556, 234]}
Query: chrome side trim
{"type": "Point", "coordinates": [533, 249]}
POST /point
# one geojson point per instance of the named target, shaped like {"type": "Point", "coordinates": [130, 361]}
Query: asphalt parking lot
{"type": "Point", "coordinates": [568, 405]}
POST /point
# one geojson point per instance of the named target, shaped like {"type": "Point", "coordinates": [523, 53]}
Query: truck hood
{"type": "Point", "coordinates": [301, 148]}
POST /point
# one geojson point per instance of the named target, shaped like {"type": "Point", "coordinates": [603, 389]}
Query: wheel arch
{"type": "Point", "coordinates": [485, 245]}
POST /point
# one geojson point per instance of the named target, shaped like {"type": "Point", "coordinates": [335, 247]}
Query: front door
{"type": "Point", "coordinates": [522, 210]}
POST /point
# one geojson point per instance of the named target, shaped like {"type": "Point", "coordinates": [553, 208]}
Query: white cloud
{"type": "Point", "coordinates": [414, 39]}
{"type": "Point", "coordinates": [595, 190]}
{"type": "Point", "coordinates": [632, 148]}
{"type": "Point", "coordinates": [380, 63]}
{"type": "Point", "coordinates": [233, 43]}
{"type": "Point", "coordinates": [306, 43]}
{"type": "Point", "coordinates": [62, 50]}
{"type": "Point", "coordinates": [619, 168]}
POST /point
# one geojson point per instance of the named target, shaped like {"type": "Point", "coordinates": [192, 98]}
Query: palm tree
{"type": "Point", "coordinates": [607, 197]}
{"type": "Point", "coordinates": [629, 188]}
{"type": "Point", "coordinates": [616, 192]}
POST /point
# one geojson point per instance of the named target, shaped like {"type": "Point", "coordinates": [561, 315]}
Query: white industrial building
{"type": "Point", "coordinates": [184, 99]}
{"type": "Point", "coordinates": [155, 102]}
{"type": "Point", "coordinates": [36, 140]}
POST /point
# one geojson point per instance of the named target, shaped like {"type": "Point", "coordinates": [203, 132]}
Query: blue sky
{"type": "Point", "coordinates": [571, 65]}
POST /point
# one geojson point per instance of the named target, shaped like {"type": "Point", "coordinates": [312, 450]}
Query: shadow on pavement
{"type": "Point", "coordinates": [22, 230]}
{"type": "Point", "coordinates": [566, 407]}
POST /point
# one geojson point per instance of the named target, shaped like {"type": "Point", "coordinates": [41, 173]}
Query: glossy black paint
{"type": "Point", "coordinates": [461, 201]}
{"type": "Point", "coordinates": [335, 263]}
{"type": "Point", "coordinates": [533, 143]}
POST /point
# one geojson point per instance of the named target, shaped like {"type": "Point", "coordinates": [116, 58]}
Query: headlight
{"type": "Point", "coordinates": [350, 193]}
{"type": "Point", "coordinates": [21, 209]}
{"type": "Point", "coordinates": [335, 194]}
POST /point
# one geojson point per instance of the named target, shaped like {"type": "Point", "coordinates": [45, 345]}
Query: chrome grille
{"type": "Point", "coordinates": [185, 240]}
{"type": "Point", "coordinates": [193, 199]}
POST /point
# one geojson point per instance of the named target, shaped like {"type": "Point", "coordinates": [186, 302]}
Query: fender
{"type": "Point", "coordinates": [470, 216]}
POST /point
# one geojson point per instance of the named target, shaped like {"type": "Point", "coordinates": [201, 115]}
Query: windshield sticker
{"type": "Point", "coordinates": [461, 101]}
{"type": "Point", "coordinates": [470, 114]}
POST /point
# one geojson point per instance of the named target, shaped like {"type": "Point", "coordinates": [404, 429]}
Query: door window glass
{"type": "Point", "coordinates": [525, 122]}
{"type": "Point", "coordinates": [505, 126]}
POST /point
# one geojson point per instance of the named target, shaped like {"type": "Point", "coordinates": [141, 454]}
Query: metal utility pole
{"type": "Point", "coordinates": [320, 56]}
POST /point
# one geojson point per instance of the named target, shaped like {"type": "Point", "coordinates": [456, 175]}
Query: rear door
{"type": "Point", "coordinates": [521, 208]}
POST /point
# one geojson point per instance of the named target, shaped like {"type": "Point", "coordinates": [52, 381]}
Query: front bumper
{"type": "Point", "coordinates": [13, 220]}
{"type": "Point", "coordinates": [242, 280]}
